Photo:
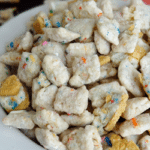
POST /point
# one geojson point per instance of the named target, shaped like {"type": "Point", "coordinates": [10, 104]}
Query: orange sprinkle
{"type": "Point", "coordinates": [72, 89]}
{"type": "Point", "coordinates": [24, 66]}
{"type": "Point", "coordinates": [84, 60]}
{"type": "Point", "coordinates": [134, 122]}
{"type": "Point", "coordinates": [146, 141]}
{"type": "Point", "coordinates": [100, 14]}
{"type": "Point", "coordinates": [17, 45]}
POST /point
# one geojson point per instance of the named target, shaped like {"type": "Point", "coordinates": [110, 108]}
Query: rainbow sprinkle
{"type": "Point", "coordinates": [108, 141]}
{"type": "Point", "coordinates": [24, 65]}
{"type": "Point", "coordinates": [134, 122]}
{"type": "Point", "coordinates": [84, 60]}
{"type": "Point", "coordinates": [44, 43]}
{"type": "Point", "coordinates": [11, 44]}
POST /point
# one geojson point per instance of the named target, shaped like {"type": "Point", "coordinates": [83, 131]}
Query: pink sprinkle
{"type": "Point", "coordinates": [103, 138]}
{"type": "Point", "coordinates": [44, 43]}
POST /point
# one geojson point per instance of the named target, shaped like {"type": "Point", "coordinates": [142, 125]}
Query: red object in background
{"type": "Point", "coordinates": [146, 2]}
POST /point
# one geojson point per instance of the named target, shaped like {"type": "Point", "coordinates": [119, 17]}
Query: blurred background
{"type": "Point", "coordinates": [10, 8]}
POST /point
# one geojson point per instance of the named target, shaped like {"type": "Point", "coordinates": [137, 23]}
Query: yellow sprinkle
{"type": "Point", "coordinates": [131, 28]}
{"type": "Point", "coordinates": [32, 58]}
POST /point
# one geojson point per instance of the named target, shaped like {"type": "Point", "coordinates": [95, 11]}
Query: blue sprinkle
{"type": "Point", "coordinates": [118, 30]}
{"type": "Point", "coordinates": [79, 37]}
{"type": "Point", "coordinates": [126, 66]}
{"type": "Point", "coordinates": [108, 141]}
{"type": "Point", "coordinates": [43, 72]}
{"type": "Point", "coordinates": [116, 100]}
{"type": "Point", "coordinates": [11, 44]}
{"type": "Point", "coordinates": [107, 33]}
{"type": "Point", "coordinates": [148, 91]}
{"type": "Point", "coordinates": [39, 82]}
{"type": "Point", "coordinates": [58, 24]}
{"type": "Point", "coordinates": [74, 18]}
{"type": "Point", "coordinates": [21, 97]}
{"type": "Point", "coordinates": [97, 126]}
{"type": "Point", "coordinates": [10, 103]}
{"type": "Point", "coordinates": [14, 105]}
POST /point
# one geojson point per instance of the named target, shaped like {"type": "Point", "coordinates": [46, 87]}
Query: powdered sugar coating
{"type": "Point", "coordinates": [86, 70]}
{"type": "Point", "coordinates": [57, 73]}
{"type": "Point", "coordinates": [29, 66]}
{"type": "Point", "coordinates": [19, 119]}
{"type": "Point", "coordinates": [51, 120]}
{"type": "Point", "coordinates": [70, 100]}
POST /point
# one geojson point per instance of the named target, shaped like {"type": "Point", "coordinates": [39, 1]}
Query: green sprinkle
{"type": "Point", "coordinates": [7, 73]}
{"type": "Point", "coordinates": [63, 43]}
{"type": "Point", "coordinates": [51, 11]}
{"type": "Point", "coordinates": [27, 59]}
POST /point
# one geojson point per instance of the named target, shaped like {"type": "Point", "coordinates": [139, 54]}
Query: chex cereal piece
{"type": "Point", "coordinates": [79, 50]}
{"type": "Point", "coordinates": [70, 100]}
{"type": "Point", "coordinates": [10, 86]}
{"type": "Point", "coordinates": [84, 27]}
{"type": "Point", "coordinates": [48, 139]}
{"type": "Point", "coordinates": [135, 126]}
{"type": "Point", "coordinates": [10, 58]}
{"type": "Point", "coordinates": [130, 78]}
{"type": "Point", "coordinates": [139, 12]}
{"type": "Point", "coordinates": [45, 97]}
{"type": "Point", "coordinates": [19, 119]}
{"type": "Point", "coordinates": [61, 34]}
{"type": "Point", "coordinates": [51, 120]}
{"type": "Point", "coordinates": [107, 71]}
{"type": "Point", "coordinates": [57, 72]}
{"type": "Point", "coordinates": [102, 45]}
{"type": "Point", "coordinates": [135, 107]}
{"type": "Point", "coordinates": [25, 43]}
{"type": "Point", "coordinates": [109, 29]}
{"type": "Point", "coordinates": [86, 70]}
{"type": "Point", "coordinates": [104, 59]}
{"type": "Point", "coordinates": [29, 67]}
{"type": "Point", "coordinates": [115, 142]}
{"type": "Point", "coordinates": [41, 22]}
{"type": "Point", "coordinates": [106, 7]}
{"type": "Point", "coordinates": [144, 143]}
{"type": "Point", "coordinates": [141, 49]}
{"type": "Point", "coordinates": [128, 39]}
{"type": "Point", "coordinates": [5, 72]}
{"type": "Point", "coordinates": [79, 120]}
{"type": "Point", "coordinates": [85, 9]}
{"type": "Point", "coordinates": [19, 101]}
{"type": "Point", "coordinates": [47, 48]}
{"type": "Point", "coordinates": [145, 80]}
{"type": "Point", "coordinates": [83, 138]}
{"type": "Point", "coordinates": [99, 93]}
{"type": "Point", "coordinates": [110, 112]}
{"type": "Point", "coordinates": [56, 6]}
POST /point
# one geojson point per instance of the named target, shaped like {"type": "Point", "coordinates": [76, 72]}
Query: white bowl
{"type": "Point", "coordinates": [11, 138]}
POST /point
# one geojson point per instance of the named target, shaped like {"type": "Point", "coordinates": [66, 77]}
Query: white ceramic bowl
{"type": "Point", "coordinates": [11, 138]}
